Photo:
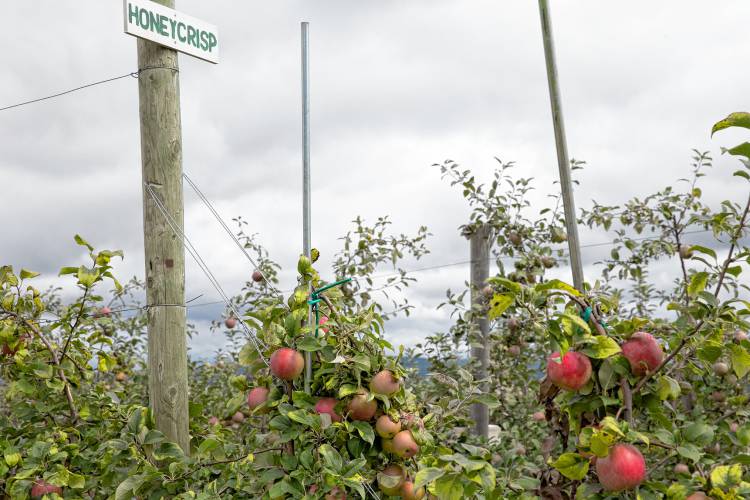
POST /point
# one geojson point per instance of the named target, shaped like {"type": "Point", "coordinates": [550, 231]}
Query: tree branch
{"type": "Point", "coordinates": [55, 361]}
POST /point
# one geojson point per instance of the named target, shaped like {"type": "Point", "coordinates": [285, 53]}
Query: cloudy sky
{"type": "Point", "coordinates": [396, 86]}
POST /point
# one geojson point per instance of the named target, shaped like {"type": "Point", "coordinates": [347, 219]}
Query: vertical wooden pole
{"type": "Point", "coordinates": [479, 248]}
{"type": "Point", "coordinates": [161, 157]}
{"type": "Point", "coordinates": [563, 163]}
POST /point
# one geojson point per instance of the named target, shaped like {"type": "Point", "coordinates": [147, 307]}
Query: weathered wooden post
{"type": "Point", "coordinates": [161, 31]}
{"type": "Point", "coordinates": [479, 249]}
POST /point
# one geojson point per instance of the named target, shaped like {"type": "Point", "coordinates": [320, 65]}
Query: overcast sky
{"type": "Point", "coordinates": [396, 86]}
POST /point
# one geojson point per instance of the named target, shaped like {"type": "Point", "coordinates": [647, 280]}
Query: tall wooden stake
{"type": "Point", "coordinates": [161, 157]}
{"type": "Point", "coordinates": [306, 209]}
{"type": "Point", "coordinates": [479, 249]}
{"type": "Point", "coordinates": [562, 148]}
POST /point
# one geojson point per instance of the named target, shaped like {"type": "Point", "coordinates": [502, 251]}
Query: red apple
{"type": "Point", "coordinates": [328, 406]}
{"type": "Point", "coordinates": [721, 368]}
{"type": "Point", "coordinates": [514, 350]}
{"type": "Point", "coordinates": [257, 276]}
{"type": "Point", "coordinates": [336, 494]}
{"type": "Point", "coordinates": [256, 397]}
{"type": "Point", "coordinates": [385, 383]}
{"type": "Point", "coordinates": [213, 421]}
{"type": "Point", "coordinates": [103, 312]}
{"type": "Point", "coordinates": [360, 408]}
{"type": "Point", "coordinates": [734, 427]}
{"type": "Point", "coordinates": [42, 487]}
{"type": "Point", "coordinates": [515, 238]}
{"type": "Point", "coordinates": [386, 427]}
{"type": "Point", "coordinates": [681, 469]}
{"type": "Point", "coordinates": [739, 336]}
{"type": "Point", "coordinates": [685, 251]}
{"type": "Point", "coordinates": [539, 416]}
{"type": "Point", "coordinates": [404, 445]}
{"type": "Point", "coordinates": [323, 321]}
{"type": "Point", "coordinates": [623, 469]}
{"type": "Point", "coordinates": [698, 495]}
{"type": "Point", "coordinates": [409, 493]}
{"type": "Point", "coordinates": [230, 322]}
{"type": "Point", "coordinates": [287, 364]}
{"type": "Point", "coordinates": [572, 373]}
{"type": "Point", "coordinates": [391, 478]}
{"type": "Point", "coordinates": [643, 352]}
{"type": "Point", "coordinates": [238, 417]}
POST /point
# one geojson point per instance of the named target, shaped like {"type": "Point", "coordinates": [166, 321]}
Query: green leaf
{"type": "Point", "coordinates": [126, 489]}
{"type": "Point", "coordinates": [12, 456]}
{"type": "Point", "coordinates": [740, 360]}
{"type": "Point", "coordinates": [76, 481]}
{"type": "Point", "coordinates": [303, 417]}
{"type": "Point", "coordinates": [697, 283]}
{"type": "Point", "coordinates": [426, 476]}
{"type": "Point", "coordinates": [498, 305]}
{"type": "Point", "coordinates": [365, 431]}
{"type": "Point", "coordinates": [738, 119]}
{"type": "Point", "coordinates": [577, 321]}
{"type": "Point", "coordinates": [699, 433]}
{"type": "Point", "coordinates": [571, 465]}
{"type": "Point", "coordinates": [601, 347]}
{"type": "Point", "coordinates": [740, 150]}
{"type": "Point", "coordinates": [28, 274]}
{"type": "Point", "coordinates": [83, 242]}
{"type": "Point", "coordinates": [704, 250]}
{"type": "Point", "coordinates": [331, 457]}
{"type": "Point", "coordinates": [558, 285]}
{"type": "Point", "coordinates": [449, 487]}
{"type": "Point", "coordinates": [667, 388]}
{"type": "Point", "coordinates": [726, 476]}
{"type": "Point", "coordinates": [168, 450]}
{"type": "Point", "coordinates": [67, 270]}
{"type": "Point", "coordinates": [310, 344]}
{"type": "Point", "coordinates": [689, 451]}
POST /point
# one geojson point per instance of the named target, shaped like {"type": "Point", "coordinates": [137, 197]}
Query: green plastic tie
{"type": "Point", "coordinates": [315, 300]}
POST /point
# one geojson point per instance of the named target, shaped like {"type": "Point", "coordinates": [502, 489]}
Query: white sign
{"type": "Point", "coordinates": [167, 27]}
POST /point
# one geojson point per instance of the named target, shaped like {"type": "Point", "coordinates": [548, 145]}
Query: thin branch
{"type": "Point", "coordinates": [75, 323]}
{"type": "Point", "coordinates": [722, 275]}
{"type": "Point", "coordinates": [627, 397]}
{"type": "Point", "coordinates": [55, 360]}
{"type": "Point", "coordinates": [219, 462]}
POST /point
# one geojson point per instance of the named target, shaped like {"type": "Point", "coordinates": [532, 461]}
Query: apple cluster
{"type": "Point", "coordinates": [624, 467]}
{"type": "Point", "coordinates": [393, 429]}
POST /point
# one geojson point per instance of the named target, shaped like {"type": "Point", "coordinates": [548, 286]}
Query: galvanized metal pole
{"type": "Point", "coordinates": [562, 148]}
{"type": "Point", "coordinates": [479, 249]}
{"type": "Point", "coordinates": [161, 158]}
{"type": "Point", "coordinates": [306, 216]}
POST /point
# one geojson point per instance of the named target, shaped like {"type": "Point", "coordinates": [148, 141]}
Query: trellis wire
{"type": "Point", "coordinates": [229, 231]}
{"type": "Point", "coordinates": [257, 343]}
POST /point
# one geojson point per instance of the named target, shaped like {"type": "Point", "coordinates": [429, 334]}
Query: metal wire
{"type": "Point", "coordinates": [259, 345]}
{"type": "Point", "coordinates": [229, 231]}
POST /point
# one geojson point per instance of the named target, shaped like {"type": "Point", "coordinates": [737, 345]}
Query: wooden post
{"type": "Point", "coordinates": [563, 164]}
{"type": "Point", "coordinates": [479, 248]}
{"type": "Point", "coordinates": [161, 157]}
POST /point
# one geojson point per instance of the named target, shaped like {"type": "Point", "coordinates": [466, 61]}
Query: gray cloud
{"type": "Point", "coordinates": [396, 86]}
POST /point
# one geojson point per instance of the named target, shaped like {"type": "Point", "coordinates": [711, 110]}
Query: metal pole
{"type": "Point", "coordinates": [562, 147]}
{"type": "Point", "coordinates": [306, 218]}
{"type": "Point", "coordinates": [161, 159]}
{"type": "Point", "coordinates": [479, 250]}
